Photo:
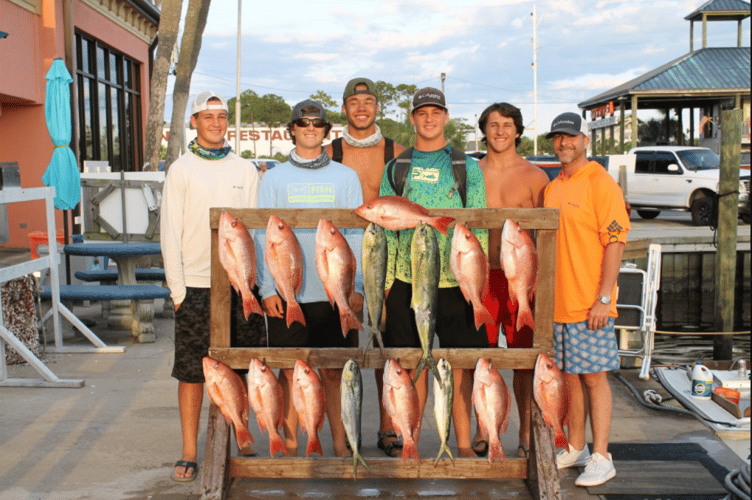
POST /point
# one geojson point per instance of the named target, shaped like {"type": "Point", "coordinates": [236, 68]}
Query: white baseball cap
{"type": "Point", "coordinates": [201, 102]}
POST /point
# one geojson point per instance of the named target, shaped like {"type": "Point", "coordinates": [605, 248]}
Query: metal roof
{"type": "Point", "coordinates": [721, 10]}
{"type": "Point", "coordinates": [704, 71]}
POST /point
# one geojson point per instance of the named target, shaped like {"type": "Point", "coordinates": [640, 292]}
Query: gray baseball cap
{"type": "Point", "coordinates": [429, 96]}
{"type": "Point", "coordinates": [568, 123]}
{"type": "Point", "coordinates": [297, 111]}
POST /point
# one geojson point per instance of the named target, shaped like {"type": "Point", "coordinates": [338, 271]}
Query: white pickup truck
{"type": "Point", "coordinates": [674, 178]}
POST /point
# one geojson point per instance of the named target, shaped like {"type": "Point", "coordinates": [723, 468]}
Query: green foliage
{"type": "Point", "coordinates": [527, 146]}
{"type": "Point", "coordinates": [270, 109]}
{"type": "Point", "coordinates": [162, 152]}
{"type": "Point", "coordinates": [280, 157]}
{"type": "Point", "coordinates": [247, 154]}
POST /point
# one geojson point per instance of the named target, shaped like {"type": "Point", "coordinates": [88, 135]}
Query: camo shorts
{"type": "Point", "coordinates": [578, 349]}
{"type": "Point", "coordinates": [192, 331]}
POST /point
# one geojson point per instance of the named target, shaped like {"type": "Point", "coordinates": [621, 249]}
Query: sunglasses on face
{"type": "Point", "coordinates": [304, 122]}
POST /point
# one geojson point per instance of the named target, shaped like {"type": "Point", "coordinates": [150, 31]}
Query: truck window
{"type": "Point", "coordinates": [700, 159]}
{"type": "Point", "coordinates": [662, 161]}
{"type": "Point", "coordinates": [642, 162]}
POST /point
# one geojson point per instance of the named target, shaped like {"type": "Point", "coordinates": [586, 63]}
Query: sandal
{"type": "Point", "coordinates": [392, 449]}
{"type": "Point", "coordinates": [187, 465]}
{"type": "Point", "coordinates": [523, 452]}
{"type": "Point", "coordinates": [481, 448]}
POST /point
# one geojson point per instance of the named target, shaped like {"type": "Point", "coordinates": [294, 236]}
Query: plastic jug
{"type": "Point", "coordinates": [702, 381]}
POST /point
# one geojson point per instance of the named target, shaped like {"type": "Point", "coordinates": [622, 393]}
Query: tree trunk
{"type": "Point", "coordinates": [190, 46]}
{"type": "Point", "coordinates": [169, 21]}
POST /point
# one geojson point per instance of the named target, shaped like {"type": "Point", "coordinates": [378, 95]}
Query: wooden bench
{"type": "Point", "coordinates": [111, 275]}
{"type": "Point", "coordinates": [141, 297]}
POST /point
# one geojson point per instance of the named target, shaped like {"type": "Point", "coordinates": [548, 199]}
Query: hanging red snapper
{"type": "Point", "coordinates": [400, 400]}
{"type": "Point", "coordinates": [310, 403]}
{"type": "Point", "coordinates": [469, 263]}
{"type": "Point", "coordinates": [492, 401]}
{"type": "Point", "coordinates": [519, 260]}
{"type": "Point", "coordinates": [284, 258]}
{"type": "Point", "coordinates": [336, 265]}
{"type": "Point", "coordinates": [267, 401]}
{"type": "Point", "coordinates": [396, 213]}
{"type": "Point", "coordinates": [226, 390]}
{"type": "Point", "coordinates": [551, 393]}
{"type": "Point", "coordinates": [237, 254]}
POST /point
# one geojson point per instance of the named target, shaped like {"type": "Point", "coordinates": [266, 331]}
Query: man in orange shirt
{"type": "Point", "coordinates": [593, 229]}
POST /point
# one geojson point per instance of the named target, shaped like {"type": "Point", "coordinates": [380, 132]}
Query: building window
{"type": "Point", "coordinates": [109, 106]}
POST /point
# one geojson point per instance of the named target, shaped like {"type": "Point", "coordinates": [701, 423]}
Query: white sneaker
{"type": "Point", "coordinates": [571, 457]}
{"type": "Point", "coordinates": [598, 470]}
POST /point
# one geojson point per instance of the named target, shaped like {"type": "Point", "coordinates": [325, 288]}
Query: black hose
{"type": "Point", "coordinates": [737, 483]}
{"type": "Point", "coordinates": [654, 406]}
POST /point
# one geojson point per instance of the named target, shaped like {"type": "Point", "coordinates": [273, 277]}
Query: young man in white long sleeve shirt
{"type": "Point", "coordinates": [208, 175]}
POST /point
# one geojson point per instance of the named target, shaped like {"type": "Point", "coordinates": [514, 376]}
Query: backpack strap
{"type": "Point", "coordinates": [337, 150]}
{"type": "Point", "coordinates": [459, 171]}
{"type": "Point", "coordinates": [388, 150]}
{"type": "Point", "coordinates": [397, 171]}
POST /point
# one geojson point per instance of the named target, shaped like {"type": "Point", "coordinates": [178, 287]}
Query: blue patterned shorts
{"type": "Point", "coordinates": [580, 350]}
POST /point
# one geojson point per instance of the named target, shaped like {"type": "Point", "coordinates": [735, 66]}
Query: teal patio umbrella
{"type": "Point", "coordinates": [62, 172]}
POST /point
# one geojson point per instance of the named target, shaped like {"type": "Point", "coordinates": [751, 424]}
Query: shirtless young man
{"type": "Point", "coordinates": [511, 182]}
{"type": "Point", "coordinates": [363, 149]}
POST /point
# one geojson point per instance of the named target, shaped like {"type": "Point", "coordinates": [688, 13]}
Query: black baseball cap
{"type": "Point", "coordinates": [568, 123]}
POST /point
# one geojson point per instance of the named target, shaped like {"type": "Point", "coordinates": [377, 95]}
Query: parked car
{"type": "Point", "coordinates": [677, 178]}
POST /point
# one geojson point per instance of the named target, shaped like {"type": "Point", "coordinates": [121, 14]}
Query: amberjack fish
{"type": "Point", "coordinates": [396, 213]}
{"type": "Point", "coordinates": [469, 263]}
{"type": "Point", "coordinates": [237, 254]}
{"type": "Point", "coordinates": [551, 393]}
{"type": "Point", "coordinates": [400, 400]}
{"type": "Point", "coordinates": [310, 403]}
{"type": "Point", "coordinates": [351, 394]}
{"type": "Point", "coordinates": [374, 278]}
{"type": "Point", "coordinates": [443, 396]}
{"type": "Point", "coordinates": [425, 269]}
{"type": "Point", "coordinates": [284, 259]}
{"type": "Point", "coordinates": [267, 401]}
{"type": "Point", "coordinates": [336, 266]}
{"type": "Point", "coordinates": [226, 390]}
{"type": "Point", "coordinates": [519, 261]}
{"type": "Point", "coordinates": [492, 401]}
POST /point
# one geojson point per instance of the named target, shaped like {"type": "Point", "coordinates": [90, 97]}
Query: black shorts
{"type": "Point", "coordinates": [192, 332]}
{"type": "Point", "coordinates": [455, 322]}
{"type": "Point", "coordinates": [322, 328]}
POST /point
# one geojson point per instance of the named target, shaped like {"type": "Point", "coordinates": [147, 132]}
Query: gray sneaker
{"type": "Point", "coordinates": [571, 457]}
{"type": "Point", "coordinates": [598, 470]}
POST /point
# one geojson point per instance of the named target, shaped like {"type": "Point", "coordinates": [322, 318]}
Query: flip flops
{"type": "Point", "coordinates": [187, 465]}
{"type": "Point", "coordinates": [481, 448]}
{"type": "Point", "coordinates": [392, 449]}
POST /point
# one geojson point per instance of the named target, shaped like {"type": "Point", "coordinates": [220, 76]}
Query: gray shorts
{"type": "Point", "coordinates": [580, 350]}
{"type": "Point", "coordinates": [192, 332]}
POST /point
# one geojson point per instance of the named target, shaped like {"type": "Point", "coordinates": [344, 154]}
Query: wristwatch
{"type": "Point", "coordinates": [604, 299]}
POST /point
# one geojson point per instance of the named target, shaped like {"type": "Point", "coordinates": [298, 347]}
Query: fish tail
{"type": "Point", "coordinates": [444, 449]}
{"type": "Point", "coordinates": [495, 451]}
{"type": "Point", "coordinates": [435, 370]}
{"type": "Point", "coordinates": [251, 306]}
{"type": "Point", "coordinates": [560, 439]}
{"type": "Point", "coordinates": [410, 450]}
{"type": "Point", "coordinates": [482, 316]}
{"type": "Point", "coordinates": [244, 437]}
{"type": "Point", "coordinates": [314, 445]}
{"type": "Point", "coordinates": [525, 317]}
{"type": "Point", "coordinates": [441, 224]}
{"type": "Point", "coordinates": [358, 457]}
{"type": "Point", "coordinates": [349, 321]}
{"type": "Point", "coordinates": [294, 313]}
{"type": "Point", "coordinates": [276, 444]}
{"type": "Point", "coordinates": [419, 369]}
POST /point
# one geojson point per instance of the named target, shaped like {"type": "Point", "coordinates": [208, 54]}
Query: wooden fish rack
{"type": "Point", "coordinates": [539, 469]}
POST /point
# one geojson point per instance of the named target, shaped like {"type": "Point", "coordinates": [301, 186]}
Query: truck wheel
{"type": "Point", "coordinates": [648, 214]}
{"type": "Point", "coordinates": [702, 211]}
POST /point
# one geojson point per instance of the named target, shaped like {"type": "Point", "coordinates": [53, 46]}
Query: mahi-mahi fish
{"type": "Point", "coordinates": [351, 394]}
{"type": "Point", "coordinates": [374, 278]}
{"type": "Point", "coordinates": [443, 397]}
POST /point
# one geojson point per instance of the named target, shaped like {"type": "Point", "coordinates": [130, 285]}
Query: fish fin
{"type": "Point", "coordinates": [419, 369]}
{"type": "Point", "coordinates": [314, 445]}
{"type": "Point", "coordinates": [261, 425]}
{"type": "Point", "coordinates": [251, 306]}
{"type": "Point", "coordinates": [560, 439]}
{"type": "Point", "coordinates": [496, 451]}
{"type": "Point", "coordinates": [435, 370]}
{"type": "Point", "coordinates": [444, 448]}
{"type": "Point", "coordinates": [243, 436]}
{"type": "Point", "coordinates": [410, 450]}
{"type": "Point", "coordinates": [374, 333]}
{"type": "Point", "coordinates": [482, 316]}
{"type": "Point", "coordinates": [525, 318]}
{"type": "Point", "coordinates": [294, 313]}
{"type": "Point", "coordinates": [276, 444]}
{"type": "Point", "coordinates": [358, 457]}
{"type": "Point", "coordinates": [349, 321]}
{"type": "Point", "coordinates": [441, 224]}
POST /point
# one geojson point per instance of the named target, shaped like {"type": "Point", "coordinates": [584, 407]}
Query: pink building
{"type": "Point", "coordinates": [107, 47]}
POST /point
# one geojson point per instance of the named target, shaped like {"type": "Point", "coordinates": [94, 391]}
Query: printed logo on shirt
{"type": "Point", "coordinates": [613, 231]}
{"type": "Point", "coordinates": [310, 193]}
{"type": "Point", "coordinates": [237, 187]}
{"type": "Point", "coordinates": [430, 175]}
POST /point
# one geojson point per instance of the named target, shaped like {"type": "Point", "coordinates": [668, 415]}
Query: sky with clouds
{"type": "Point", "coordinates": [293, 49]}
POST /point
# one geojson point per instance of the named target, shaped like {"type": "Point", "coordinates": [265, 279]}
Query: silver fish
{"type": "Point", "coordinates": [374, 278]}
{"type": "Point", "coordinates": [425, 268]}
{"type": "Point", "coordinates": [443, 396]}
{"type": "Point", "coordinates": [351, 394]}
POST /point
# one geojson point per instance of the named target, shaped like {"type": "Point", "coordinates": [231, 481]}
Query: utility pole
{"type": "Point", "coordinates": [535, 81]}
{"type": "Point", "coordinates": [237, 88]}
{"type": "Point", "coordinates": [443, 77]}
